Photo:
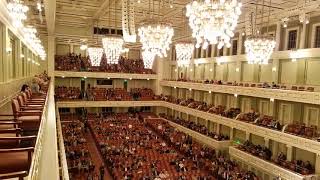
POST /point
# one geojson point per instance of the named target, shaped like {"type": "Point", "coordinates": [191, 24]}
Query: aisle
{"type": "Point", "coordinates": [96, 157]}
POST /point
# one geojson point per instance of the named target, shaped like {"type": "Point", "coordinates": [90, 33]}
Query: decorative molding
{"type": "Point", "coordinates": [104, 75]}
{"type": "Point", "coordinates": [285, 95]}
{"type": "Point", "coordinates": [267, 166]}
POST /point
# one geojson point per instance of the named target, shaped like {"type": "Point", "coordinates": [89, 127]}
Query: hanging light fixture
{"type": "Point", "coordinates": [30, 35]}
{"type": "Point", "coordinates": [95, 55]}
{"type": "Point", "coordinates": [213, 21]}
{"type": "Point", "coordinates": [259, 47]}
{"type": "Point", "coordinates": [184, 52]}
{"type": "Point", "coordinates": [113, 48]}
{"type": "Point", "coordinates": [113, 44]}
{"type": "Point", "coordinates": [156, 35]}
{"type": "Point", "coordinates": [17, 12]}
{"type": "Point", "coordinates": [148, 58]}
{"type": "Point", "coordinates": [83, 44]}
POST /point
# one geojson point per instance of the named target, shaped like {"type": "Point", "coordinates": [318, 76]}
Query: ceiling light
{"type": "Point", "coordinates": [156, 37]}
{"type": "Point", "coordinates": [148, 59]}
{"type": "Point", "coordinates": [259, 49]}
{"type": "Point", "coordinates": [17, 12]}
{"type": "Point", "coordinates": [213, 22]}
{"type": "Point", "coordinates": [113, 48]}
{"type": "Point", "coordinates": [95, 55]}
{"type": "Point", "coordinates": [184, 53]}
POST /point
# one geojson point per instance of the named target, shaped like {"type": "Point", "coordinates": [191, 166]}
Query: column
{"type": "Point", "coordinates": [71, 48]}
{"type": "Point", "coordinates": [247, 136]}
{"type": "Point", "coordinates": [317, 164]}
{"type": "Point", "coordinates": [266, 142]}
{"type": "Point", "coordinates": [289, 152]}
{"type": "Point", "coordinates": [236, 102]}
{"type": "Point", "coordinates": [218, 128]}
{"type": "Point", "coordinates": [302, 44]}
{"type": "Point", "coordinates": [197, 120]}
{"type": "Point", "coordinates": [188, 117]}
{"type": "Point", "coordinates": [51, 52]}
{"type": "Point", "coordinates": [278, 34]}
{"type": "Point", "coordinates": [275, 70]}
{"type": "Point", "coordinates": [240, 42]}
{"type": "Point", "coordinates": [225, 51]}
{"type": "Point", "coordinates": [208, 125]}
{"type": "Point", "coordinates": [238, 71]}
{"type": "Point", "coordinates": [275, 149]}
{"type": "Point", "coordinates": [231, 133]}
{"type": "Point", "coordinates": [4, 55]}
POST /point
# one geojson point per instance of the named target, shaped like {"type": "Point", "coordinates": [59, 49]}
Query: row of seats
{"type": "Point", "coordinates": [74, 62]}
{"type": "Point", "coordinates": [103, 94]}
{"type": "Point", "coordinates": [304, 168]}
{"type": "Point", "coordinates": [218, 166]}
{"type": "Point", "coordinates": [250, 117]}
{"type": "Point", "coordinates": [18, 130]}
{"type": "Point", "coordinates": [133, 151]}
{"type": "Point", "coordinates": [80, 163]}
{"type": "Point", "coordinates": [195, 127]}
{"type": "Point", "coordinates": [258, 85]}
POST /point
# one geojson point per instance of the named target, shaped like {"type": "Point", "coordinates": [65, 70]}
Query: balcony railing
{"type": "Point", "coordinates": [278, 136]}
{"type": "Point", "coordinates": [268, 167]}
{"type": "Point", "coordinates": [63, 160]}
{"type": "Point", "coordinates": [45, 163]}
{"type": "Point", "coordinates": [219, 145]}
{"type": "Point", "coordinates": [104, 75]}
{"type": "Point", "coordinates": [285, 95]}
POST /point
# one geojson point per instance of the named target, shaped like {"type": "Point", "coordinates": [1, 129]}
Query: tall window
{"type": "Point", "coordinates": [234, 47]}
{"type": "Point", "coordinates": [292, 39]}
{"type": "Point", "coordinates": [317, 42]}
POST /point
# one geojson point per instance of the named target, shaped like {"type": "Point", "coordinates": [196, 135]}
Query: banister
{"type": "Point", "coordinates": [44, 163]}
{"type": "Point", "coordinates": [62, 152]}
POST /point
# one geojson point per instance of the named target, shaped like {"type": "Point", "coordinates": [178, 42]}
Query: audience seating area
{"type": "Point", "coordinates": [245, 84]}
{"type": "Point", "coordinates": [74, 62]}
{"type": "Point", "coordinates": [79, 160]}
{"type": "Point", "coordinates": [195, 127]}
{"type": "Point", "coordinates": [103, 94]}
{"type": "Point", "coordinates": [18, 130]}
{"type": "Point", "coordinates": [298, 166]}
{"type": "Point", "coordinates": [300, 129]}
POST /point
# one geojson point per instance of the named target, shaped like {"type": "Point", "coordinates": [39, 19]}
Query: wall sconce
{"type": "Point", "coordinates": [175, 70]}
{"type": "Point", "coordinates": [108, 77]}
{"type": "Point", "coordinates": [190, 89]}
{"type": "Point", "coordinates": [22, 55]}
{"type": "Point", "coordinates": [130, 78]}
{"type": "Point", "coordinates": [271, 100]}
{"type": "Point", "coordinates": [62, 76]}
{"type": "Point", "coordinates": [191, 70]}
{"type": "Point", "coordinates": [210, 69]}
{"type": "Point", "coordinates": [175, 87]}
{"type": "Point", "coordinates": [237, 69]}
{"type": "Point", "coordinates": [235, 95]}
{"type": "Point", "coordinates": [85, 77]}
{"type": "Point", "coordinates": [209, 92]}
{"type": "Point", "coordinates": [148, 79]}
{"type": "Point", "coordinates": [274, 69]}
{"type": "Point", "coordinates": [9, 50]}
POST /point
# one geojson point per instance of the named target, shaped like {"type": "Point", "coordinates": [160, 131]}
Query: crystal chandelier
{"type": "Point", "coordinates": [156, 37]}
{"type": "Point", "coordinates": [30, 35]}
{"type": "Point", "coordinates": [148, 59]}
{"type": "Point", "coordinates": [184, 53]}
{"type": "Point", "coordinates": [113, 48]}
{"type": "Point", "coordinates": [17, 12]}
{"type": "Point", "coordinates": [259, 48]}
{"type": "Point", "coordinates": [95, 55]}
{"type": "Point", "coordinates": [213, 21]}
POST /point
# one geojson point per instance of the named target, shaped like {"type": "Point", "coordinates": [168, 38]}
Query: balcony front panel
{"type": "Point", "coordinates": [104, 75]}
{"type": "Point", "coordinates": [285, 95]}
{"type": "Point", "coordinates": [265, 165]}
{"type": "Point", "coordinates": [219, 145]}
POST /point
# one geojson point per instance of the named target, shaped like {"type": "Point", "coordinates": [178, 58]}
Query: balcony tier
{"type": "Point", "coordinates": [104, 75]}
{"type": "Point", "coordinates": [266, 166]}
{"type": "Point", "coordinates": [285, 95]}
{"type": "Point", "coordinates": [285, 138]}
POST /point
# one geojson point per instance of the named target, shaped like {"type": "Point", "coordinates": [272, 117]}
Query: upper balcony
{"type": "Point", "coordinates": [269, 93]}
{"type": "Point", "coordinates": [73, 65]}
